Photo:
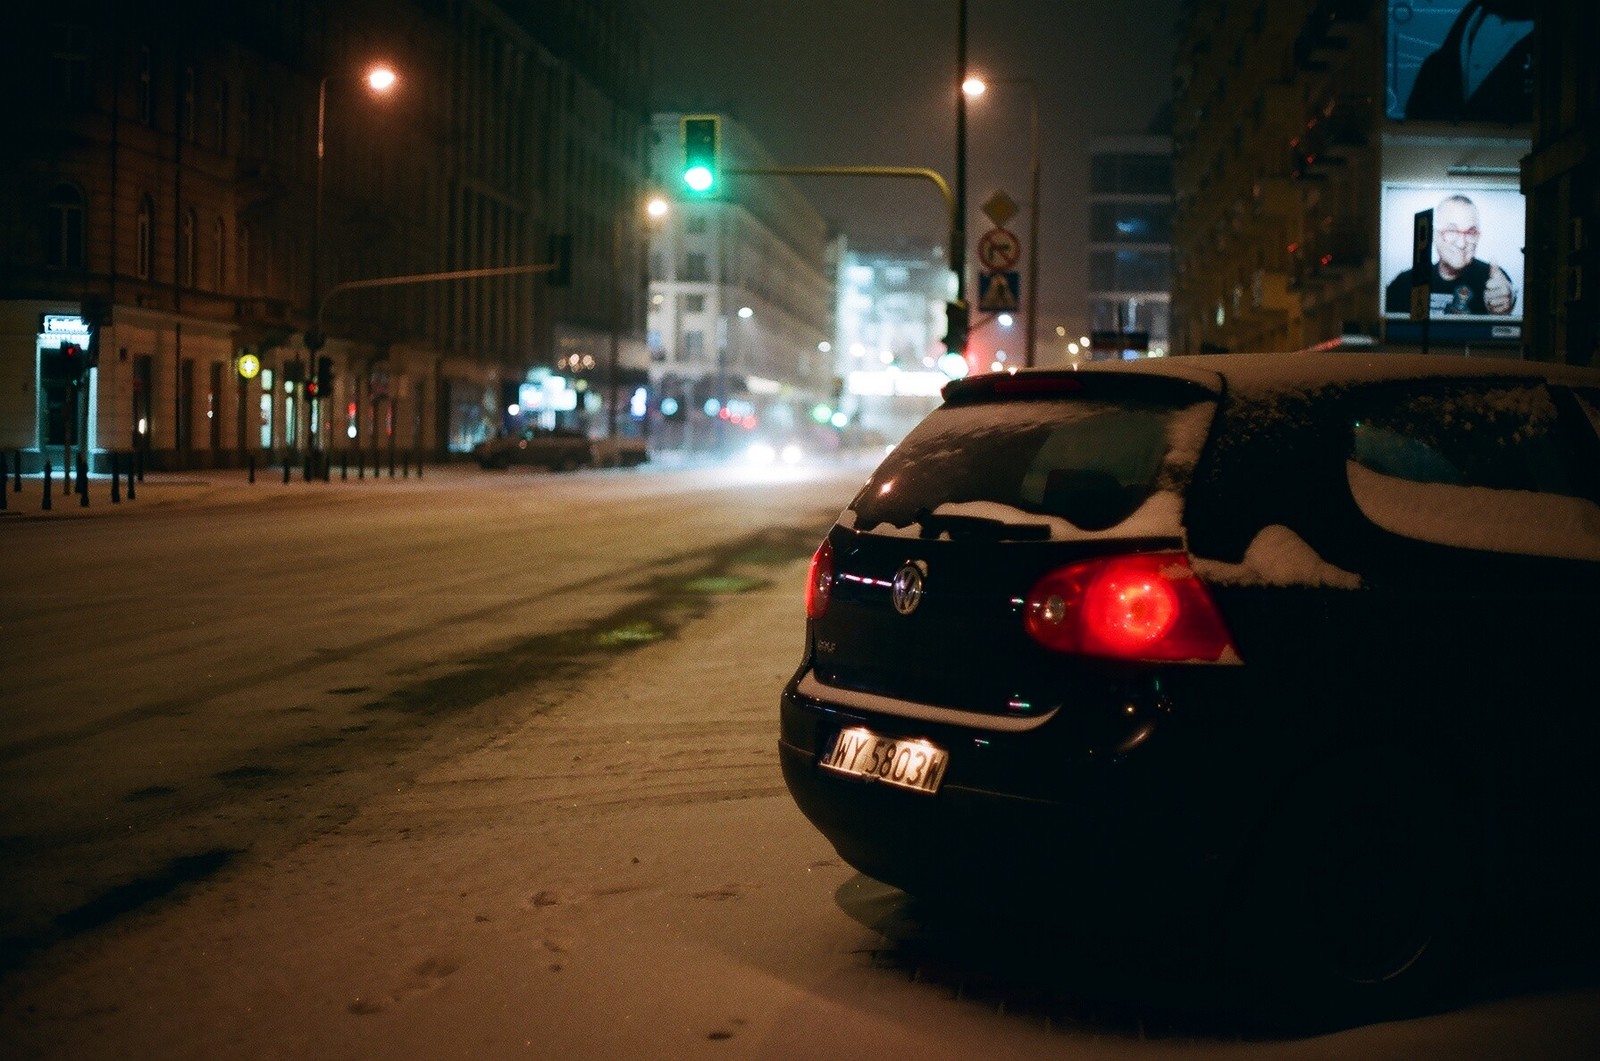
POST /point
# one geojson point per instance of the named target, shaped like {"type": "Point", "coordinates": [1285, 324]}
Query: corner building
{"type": "Point", "coordinates": [162, 203]}
{"type": "Point", "coordinates": [1308, 136]}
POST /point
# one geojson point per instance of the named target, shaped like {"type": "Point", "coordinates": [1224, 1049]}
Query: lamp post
{"type": "Point", "coordinates": [975, 87]}
{"type": "Point", "coordinates": [656, 208]}
{"type": "Point", "coordinates": [380, 78]}
{"type": "Point", "coordinates": [958, 218]}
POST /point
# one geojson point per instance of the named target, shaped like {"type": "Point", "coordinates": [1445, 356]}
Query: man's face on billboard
{"type": "Point", "coordinates": [1455, 233]}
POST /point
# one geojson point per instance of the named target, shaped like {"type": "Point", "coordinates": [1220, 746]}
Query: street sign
{"type": "Point", "coordinates": [998, 249]}
{"type": "Point", "coordinates": [1421, 264]}
{"type": "Point", "coordinates": [997, 292]}
{"type": "Point", "coordinates": [1000, 208]}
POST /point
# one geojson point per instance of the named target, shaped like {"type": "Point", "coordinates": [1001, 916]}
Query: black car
{"type": "Point", "coordinates": [1289, 654]}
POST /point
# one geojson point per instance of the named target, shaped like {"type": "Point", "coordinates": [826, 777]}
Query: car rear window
{"type": "Point", "coordinates": [1034, 467]}
{"type": "Point", "coordinates": [1474, 466]}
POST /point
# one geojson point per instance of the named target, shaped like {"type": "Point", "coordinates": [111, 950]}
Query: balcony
{"type": "Point", "coordinates": [1334, 252]}
{"type": "Point", "coordinates": [257, 182]}
{"type": "Point", "coordinates": [1274, 197]}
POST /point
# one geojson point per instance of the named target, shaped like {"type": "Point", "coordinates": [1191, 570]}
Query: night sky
{"type": "Point", "coordinates": [872, 82]}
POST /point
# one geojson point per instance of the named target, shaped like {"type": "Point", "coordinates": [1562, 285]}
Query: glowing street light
{"type": "Point", "coordinates": [380, 78]}
{"type": "Point", "coordinates": [975, 87]}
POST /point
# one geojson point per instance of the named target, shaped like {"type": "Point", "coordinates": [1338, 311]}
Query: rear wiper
{"type": "Point", "coordinates": [934, 525]}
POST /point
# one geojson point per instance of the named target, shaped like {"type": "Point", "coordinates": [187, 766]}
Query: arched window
{"type": "Point", "coordinates": [219, 255]}
{"type": "Point", "coordinates": [145, 267]}
{"type": "Point", "coordinates": [245, 275]}
{"type": "Point", "coordinates": [190, 248]}
{"type": "Point", "coordinates": [63, 226]}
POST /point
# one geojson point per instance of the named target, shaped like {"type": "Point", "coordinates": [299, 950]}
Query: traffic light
{"type": "Point", "coordinates": [561, 257]}
{"type": "Point", "coordinates": [72, 357]}
{"type": "Point", "coordinates": [323, 384]}
{"type": "Point", "coordinates": [701, 142]}
{"type": "Point", "coordinates": [955, 333]}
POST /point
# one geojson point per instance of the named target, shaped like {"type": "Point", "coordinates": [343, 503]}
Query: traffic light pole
{"type": "Point", "coordinates": [939, 182]}
{"type": "Point", "coordinates": [315, 339]}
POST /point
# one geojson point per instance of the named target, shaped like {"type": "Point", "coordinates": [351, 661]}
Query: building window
{"type": "Point", "coordinates": [144, 102]}
{"type": "Point", "coordinates": [188, 116]}
{"type": "Point", "coordinates": [219, 114]}
{"type": "Point", "coordinates": [694, 303]}
{"type": "Point", "coordinates": [219, 255]}
{"type": "Point", "coordinates": [694, 347]}
{"type": "Point", "coordinates": [64, 228]}
{"type": "Point", "coordinates": [694, 223]}
{"type": "Point", "coordinates": [190, 249]}
{"type": "Point", "coordinates": [244, 260]}
{"type": "Point", "coordinates": [1130, 222]}
{"type": "Point", "coordinates": [145, 244]}
{"type": "Point", "coordinates": [694, 267]}
{"type": "Point", "coordinates": [69, 65]}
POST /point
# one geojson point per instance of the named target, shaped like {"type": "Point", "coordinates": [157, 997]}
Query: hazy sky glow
{"type": "Point", "coordinates": [841, 82]}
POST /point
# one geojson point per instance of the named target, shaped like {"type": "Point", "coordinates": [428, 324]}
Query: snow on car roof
{"type": "Point", "coordinates": [1293, 371]}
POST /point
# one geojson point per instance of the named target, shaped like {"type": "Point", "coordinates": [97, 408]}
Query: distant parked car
{"type": "Point", "coordinates": [561, 450]}
{"type": "Point", "coordinates": [1292, 655]}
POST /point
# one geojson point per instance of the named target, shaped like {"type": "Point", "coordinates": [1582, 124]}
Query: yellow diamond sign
{"type": "Point", "coordinates": [1000, 208]}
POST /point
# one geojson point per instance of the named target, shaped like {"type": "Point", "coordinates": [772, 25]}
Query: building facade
{"type": "Point", "coordinates": [210, 205]}
{"type": "Point", "coordinates": [1130, 245]}
{"type": "Point", "coordinates": [741, 300]}
{"type": "Point", "coordinates": [1312, 139]}
{"type": "Point", "coordinates": [891, 339]}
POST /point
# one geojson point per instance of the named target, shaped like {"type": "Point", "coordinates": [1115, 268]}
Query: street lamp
{"type": "Point", "coordinates": [380, 79]}
{"type": "Point", "coordinates": [975, 87]}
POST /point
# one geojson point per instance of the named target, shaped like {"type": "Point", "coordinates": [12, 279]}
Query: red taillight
{"type": "Point", "coordinates": [1142, 606]}
{"type": "Point", "coordinates": [819, 582]}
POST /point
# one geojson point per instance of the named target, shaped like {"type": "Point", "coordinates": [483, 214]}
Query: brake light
{"type": "Point", "coordinates": [1140, 606]}
{"type": "Point", "coordinates": [819, 581]}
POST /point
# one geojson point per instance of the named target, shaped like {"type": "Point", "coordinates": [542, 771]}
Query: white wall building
{"type": "Point", "coordinates": [741, 301]}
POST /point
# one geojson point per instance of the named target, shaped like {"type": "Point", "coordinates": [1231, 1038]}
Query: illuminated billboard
{"type": "Point", "coordinates": [1460, 61]}
{"type": "Point", "coordinates": [1476, 253]}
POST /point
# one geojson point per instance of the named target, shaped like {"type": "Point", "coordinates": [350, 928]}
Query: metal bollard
{"type": "Point", "coordinates": [391, 462]}
{"type": "Point", "coordinates": [250, 463]}
{"type": "Point", "coordinates": [344, 464]}
{"type": "Point", "coordinates": [16, 457]}
{"type": "Point", "coordinates": [361, 463]}
{"type": "Point", "coordinates": [285, 467]}
{"type": "Point", "coordinates": [45, 502]}
{"type": "Point", "coordinates": [116, 492]}
{"type": "Point", "coordinates": [132, 459]}
{"type": "Point", "coordinates": [419, 466]}
{"type": "Point", "coordinates": [405, 465]}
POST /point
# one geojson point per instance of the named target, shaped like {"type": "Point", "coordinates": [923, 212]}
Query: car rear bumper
{"type": "Point", "coordinates": [1102, 847]}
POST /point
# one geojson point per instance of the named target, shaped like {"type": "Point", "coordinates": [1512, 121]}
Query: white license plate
{"type": "Point", "coordinates": [913, 764]}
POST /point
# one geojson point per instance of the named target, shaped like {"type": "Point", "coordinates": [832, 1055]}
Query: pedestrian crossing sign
{"type": "Point", "coordinates": [997, 292]}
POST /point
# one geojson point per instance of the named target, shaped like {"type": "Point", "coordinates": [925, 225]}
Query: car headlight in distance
{"type": "Point", "coordinates": [792, 454]}
{"type": "Point", "coordinates": [760, 453]}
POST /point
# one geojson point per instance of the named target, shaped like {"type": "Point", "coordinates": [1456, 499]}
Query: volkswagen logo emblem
{"type": "Point", "coordinates": [906, 589]}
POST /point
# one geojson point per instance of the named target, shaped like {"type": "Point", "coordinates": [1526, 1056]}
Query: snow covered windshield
{"type": "Point", "coordinates": [1035, 469]}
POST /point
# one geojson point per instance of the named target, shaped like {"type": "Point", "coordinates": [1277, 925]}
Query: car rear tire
{"type": "Point", "coordinates": [1355, 903]}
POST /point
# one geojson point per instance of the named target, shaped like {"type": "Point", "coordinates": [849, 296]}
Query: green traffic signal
{"type": "Point", "coordinates": [701, 133]}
